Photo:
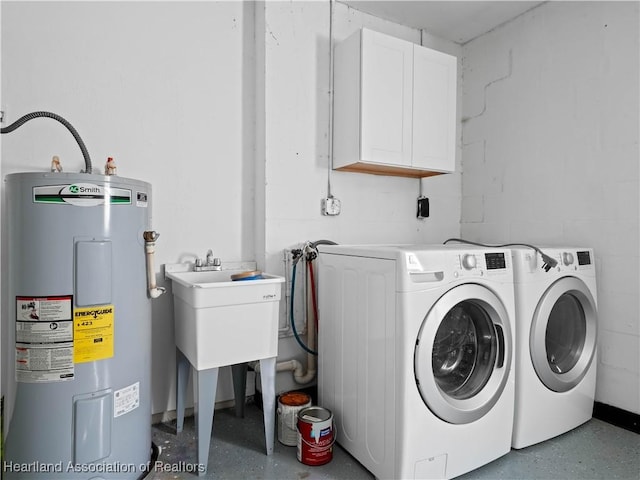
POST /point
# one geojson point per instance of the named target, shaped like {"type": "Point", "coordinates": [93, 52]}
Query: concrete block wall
{"type": "Point", "coordinates": [550, 156]}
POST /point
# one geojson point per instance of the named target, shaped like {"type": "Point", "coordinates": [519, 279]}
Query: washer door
{"type": "Point", "coordinates": [463, 354]}
{"type": "Point", "coordinates": [563, 334]}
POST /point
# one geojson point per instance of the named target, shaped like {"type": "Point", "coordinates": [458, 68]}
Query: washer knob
{"type": "Point", "coordinates": [469, 261]}
{"type": "Point", "coordinates": [567, 258]}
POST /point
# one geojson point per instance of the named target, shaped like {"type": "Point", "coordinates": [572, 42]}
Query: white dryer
{"type": "Point", "coordinates": [556, 325]}
{"type": "Point", "coordinates": [415, 355]}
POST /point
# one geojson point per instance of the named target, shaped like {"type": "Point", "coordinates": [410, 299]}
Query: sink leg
{"type": "Point", "coordinates": [239, 373]}
{"type": "Point", "coordinates": [207, 383]}
{"type": "Point", "coordinates": [182, 377]}
{"type": "Point", "coordinates": [268, 382]}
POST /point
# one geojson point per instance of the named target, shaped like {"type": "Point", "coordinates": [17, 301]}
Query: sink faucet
{"type": "Point", "coordinates": [210, 263]}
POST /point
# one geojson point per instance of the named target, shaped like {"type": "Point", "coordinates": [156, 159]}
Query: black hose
{"type": "Point", "coordinates": [548, 264]}
{"type": "Point", "coordinates": [504, 245]}
{"type": "Point", "coordinates": [297, 256]}
{"type": "Point", "coordinates": [293, 323]}
{"type": "Point", "coordinates": [315, 244]}
{"type": "Point", "coordinates": [30, 116]}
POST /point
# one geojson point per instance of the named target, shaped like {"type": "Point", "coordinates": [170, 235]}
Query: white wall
{"type": "Point", "coordinates": [165, 88]}
{"type": "Point", "coordinates": [551, 154]}
{"type": "Point", "coordinates": [375, 209]}
{"type": "Point", "coordinates": [231, 129]}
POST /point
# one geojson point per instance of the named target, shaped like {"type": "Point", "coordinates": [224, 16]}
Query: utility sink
{"type": "Point", "coordinates": [215, 289]}
{"type": "Point", "coordinates": [222, 322]}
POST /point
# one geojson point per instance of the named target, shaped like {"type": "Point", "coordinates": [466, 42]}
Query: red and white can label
{"type": "Point", "coordinates": [315, 436]}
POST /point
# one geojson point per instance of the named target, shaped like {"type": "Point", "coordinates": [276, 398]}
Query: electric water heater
{"type": "Point", "coordinates": [77, 337]}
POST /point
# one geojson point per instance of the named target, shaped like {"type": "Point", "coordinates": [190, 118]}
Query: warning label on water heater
{"type": "Point", "coordinates": [93, 333]}
{"type": "Point", "coordinates": [126, 399]}
{"type": "Point", "coordinates": [44, 339]}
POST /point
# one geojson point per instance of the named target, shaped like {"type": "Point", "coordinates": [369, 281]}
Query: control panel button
{"type": "Point", "coordinates": [567, 258]}
{"type": "Point", "coordinates": [469, 261]}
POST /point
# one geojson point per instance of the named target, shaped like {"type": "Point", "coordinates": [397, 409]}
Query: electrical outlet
{"type": "Point", "coordinates": [423, 207]}
{"type": "Point", "coordinates": [330, 206]}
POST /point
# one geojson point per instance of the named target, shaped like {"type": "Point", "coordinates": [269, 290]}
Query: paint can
{"type": "Point", "coordinates": [289, 404]}
{"type": "Point", "coordinates": [315, 436]}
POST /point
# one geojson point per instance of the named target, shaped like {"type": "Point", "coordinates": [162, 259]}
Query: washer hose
{"type": "Point", "coordinates": [293, 323]}
{"type": "Point", "coordinates": [30, 116]}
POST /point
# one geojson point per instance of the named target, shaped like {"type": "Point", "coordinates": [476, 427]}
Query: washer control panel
{"type": "Point", "coordinates": [469, 261]}
{"type": "Point", "coordinates": [495, 261]}
{"type": "Point", "coordinates": [481, 263]}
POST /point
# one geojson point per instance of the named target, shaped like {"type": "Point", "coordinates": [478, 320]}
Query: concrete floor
{"type": "Point", "coordinates": [596, 450]}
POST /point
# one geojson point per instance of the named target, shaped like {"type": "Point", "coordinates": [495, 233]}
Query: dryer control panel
{"type": "Point", "coordinates": [584, 258]}
{"type": "Point", "coordinates": [571, 259]}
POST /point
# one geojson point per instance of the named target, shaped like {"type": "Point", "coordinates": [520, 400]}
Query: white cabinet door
{"type": "Point", "coordinates": [394, 107]}
{"type": "Point", "coordinates": [386, 99]}
{"type": "Point", "coordinates": [434, 109]}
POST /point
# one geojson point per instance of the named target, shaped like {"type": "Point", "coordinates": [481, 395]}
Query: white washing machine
{"type": "Point", "coordinates": [415, 356]}
{"type": "Point", "coordinates": [556, 325]}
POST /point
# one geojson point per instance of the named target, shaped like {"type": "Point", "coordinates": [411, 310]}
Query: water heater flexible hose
{"type": "Point", "coordinates": [30, 116]}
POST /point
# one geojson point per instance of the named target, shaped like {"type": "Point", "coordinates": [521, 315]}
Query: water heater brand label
{"type": "Point", "coordinates": [44, 339]}
{"type": "Point", "coordinates": [81, 195]}
{"type": "Point", "coordinates": [93, 333]}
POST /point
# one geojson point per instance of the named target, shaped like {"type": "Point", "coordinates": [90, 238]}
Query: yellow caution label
{"type": "Point", "coordinates": [93, 333]}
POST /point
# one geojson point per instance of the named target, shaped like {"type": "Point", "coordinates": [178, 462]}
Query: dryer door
{"type": "Point", "coordinates": [463, 354]}
{"type": "Point", "coordinates": [563, 334]}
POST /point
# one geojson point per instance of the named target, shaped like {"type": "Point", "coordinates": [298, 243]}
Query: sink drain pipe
{"type": "Point", "coordinates": [295, 366]}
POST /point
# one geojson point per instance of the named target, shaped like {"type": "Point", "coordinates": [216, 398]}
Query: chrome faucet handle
{"type": "Point", "coordinates": [208, 264]}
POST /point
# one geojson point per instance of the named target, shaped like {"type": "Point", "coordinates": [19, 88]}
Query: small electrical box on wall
{"type": "Point", "coordinates": [330, 206]}
{"type": "Point", "coordinates": [423, 207]}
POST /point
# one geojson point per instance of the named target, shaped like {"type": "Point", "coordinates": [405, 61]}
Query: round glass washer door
{"type": "Point", "coordinates": [463, 354]}
{"type": "Point", "coordinates": [563, 334]}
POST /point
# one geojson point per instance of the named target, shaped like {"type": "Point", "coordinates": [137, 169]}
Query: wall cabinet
{"type": "Point", "coordinates": [394, 107]}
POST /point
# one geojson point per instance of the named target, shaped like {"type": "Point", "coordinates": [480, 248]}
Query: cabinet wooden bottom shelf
{"type": "Point", "coordinates": [388, 170]}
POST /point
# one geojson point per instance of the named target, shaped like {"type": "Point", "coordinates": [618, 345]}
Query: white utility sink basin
{"type": "Point", "coordinates": [222, 322]}
{"type": "Point", "coordinates": [214, 289]}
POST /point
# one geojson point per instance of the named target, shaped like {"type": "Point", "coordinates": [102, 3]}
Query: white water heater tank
{"type": "Point", "coordinates": [76, 328]}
